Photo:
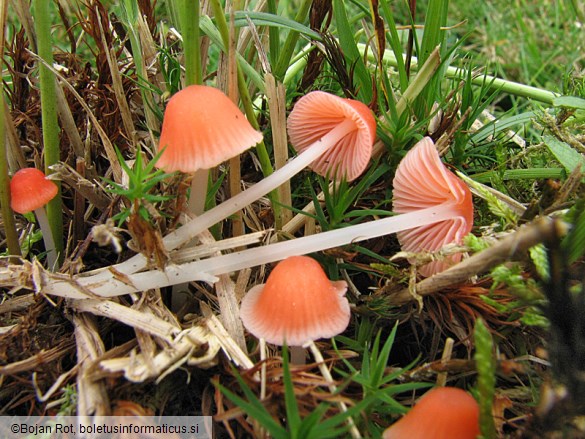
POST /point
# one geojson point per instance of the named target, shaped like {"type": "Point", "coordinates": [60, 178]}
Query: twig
{"type": "Point", "coordinates": [543, 230]}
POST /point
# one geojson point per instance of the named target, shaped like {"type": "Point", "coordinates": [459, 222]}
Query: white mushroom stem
{"type": "Point", "coordinates": [189, 230]}
{"type": "Point", "coordinates": [198, 193]}
{"type": "Point", "coordinates": [47, 238]}
{"type": "Point", "coordinates": [205, 270]}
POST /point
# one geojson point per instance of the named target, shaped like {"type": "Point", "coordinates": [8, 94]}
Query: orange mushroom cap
{"type": "Point", "coordinates": [30, 190]}
{"type": "Point", "coordinates": [298, 304]}
{"type": "Point", "coordinates": [316, 114]}
{"type": "Point", "coordinates": [422, 181]}
{"type": "Point", "coordinates": [442, 413]}
{"type": "Point", "coordinates": [202, 128]}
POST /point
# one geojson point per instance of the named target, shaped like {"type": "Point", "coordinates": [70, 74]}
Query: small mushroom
{"type": "Point", "coordinates": [422, 181]}
{"type": "Point", "coordinates": [318, 113]}
{"type": "Point", "coordinates": [31, 190]}
{"type": "Point", "coordinates": [202, 128]}
{"type": "Point", "coordinates": [442, 413]}
{"type": "Point", "coordinates": [298, 303]}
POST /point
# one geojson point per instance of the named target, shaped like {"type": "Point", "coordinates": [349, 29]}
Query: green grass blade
{"type": "Point", "coordinates": [395, 44]}
{"type": "Point", "coordinates": [273, 33]}
{"type": "Point", "coordinates": [277, 21]}
{"type": "Point", "coordinates": [189, 18]}
{"type": "Point", "coordinates": [292, 409]}
{"type": "Point", "coordinates": [565, 154]}
{"type": "Point", "coordinates": [291, 40]}
{"type": "Point", "coordinates": [253, 407]}
{"type": "Point", "coordinates": [362, 77]}
{"type": "Point", "coordinates": [49, 116]}
{"type": "Point", "coordinates": [486, 378]}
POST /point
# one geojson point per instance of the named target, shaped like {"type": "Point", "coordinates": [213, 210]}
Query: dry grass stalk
{"type": "Point", "coordinates": [17, 303]}
{"type": "Point", "coordinates": [16, 159]}
{"type": "Point", "coordinates": [209, 248]}
{"type": "Point", "coordinates": [148, 57]}
{"type": "Point", "coordinates": [227, 300]}
{"type": "Point", "coordinates": [276, 98]}
{"type": "Point", "coordinates": [227, 343]}
{"type": "Point", "coordinates": [39, 359]}
{"type": "Point", "coordinates": [93, 192]}
{"type": "Point", "coordinates": [447, 353]}
{"type": "Point", "coordinates": [194, 346]}
{"type": "Point", "coordinates": [144, 321]}
{"type": "Point", "coordinates": [68, 123]}
{"type": "Point", "coordinates": [230, 76]}
{"type": "Point", "coordinates": [118, 88]}
{"type": "Point", "coordinates": [92, 394]}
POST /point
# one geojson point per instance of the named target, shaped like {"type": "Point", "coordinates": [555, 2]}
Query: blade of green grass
{"type": "Point", "coordinates": [521, 174]}
{"type": "Point", "coordinates": [347, 42]}
{"type": "Point", "coordinates": [567, 156]}
{"type": "Point", "coordinates": [49, 116]}
{"type": "Point", "coordinates": [486, 378]}
{"type": "Point", "coordinates": [189, 19]}
{"type": "Point", "coordinates": [7, 214]}
{"type": "Point", "coordinates": [291, 40]}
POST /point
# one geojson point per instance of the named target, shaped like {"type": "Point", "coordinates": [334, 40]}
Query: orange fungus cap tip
{"type": "Point", "coordinates": [202, 128]}
{"type": "Point", "coordinates": [315, 115]}
{"type": "Point", "coordinates": [423, 181]}
{"type": "Point", "coordinates": [442, 413]}
{"type": "Point", "coordinates": [298, 303]}
{"type": "Point", "coordinates": [30, 190]}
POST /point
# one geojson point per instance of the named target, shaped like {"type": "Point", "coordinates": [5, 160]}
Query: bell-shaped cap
{"type": "Point", "coordinates": [30, 190]}
{"type": "Point", "coordinates": [422, 181]}
{"type": "Point", "coordinates": [298, 303]}
{"type": "Point", "coordinates": [202, 128]}
{"type": "Point", "coordinates": [442, 413]}
{"type": "Point", "coordinates": [316, 114]}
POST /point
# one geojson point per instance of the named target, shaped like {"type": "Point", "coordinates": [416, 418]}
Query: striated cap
{"type": "Point", "coordinates": [422, 181]}
{"type": "Point", "coordinates": [30, 190]}
{"type": "Point", "coordinates": [442, 413]}
{"type": "Point", "coordinates": [297, 303]}
{"type": "Point", "coordinates": [316, 114]}
{"type": "Point", "coordinates": [202, 128]}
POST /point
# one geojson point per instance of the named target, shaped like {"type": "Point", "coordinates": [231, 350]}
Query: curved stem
{"type": "Point", "coordinates": [191, 229]}
{"type": "Point", "coordinates": [204, 270]}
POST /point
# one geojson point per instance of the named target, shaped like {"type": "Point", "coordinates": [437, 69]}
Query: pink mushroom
{"type": "Point", "coordinates": [316, 114]}
{"type": "Point", "coordinates": [422, 181]}
{"type": "Point", "coordinates": [298, 304]}
{"type": "Point", "coordinates": [30, 190]}
{"type": "Point", "coordinates": [442, 413]}
{"type": "Point", "coordinates": [201, 129]}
